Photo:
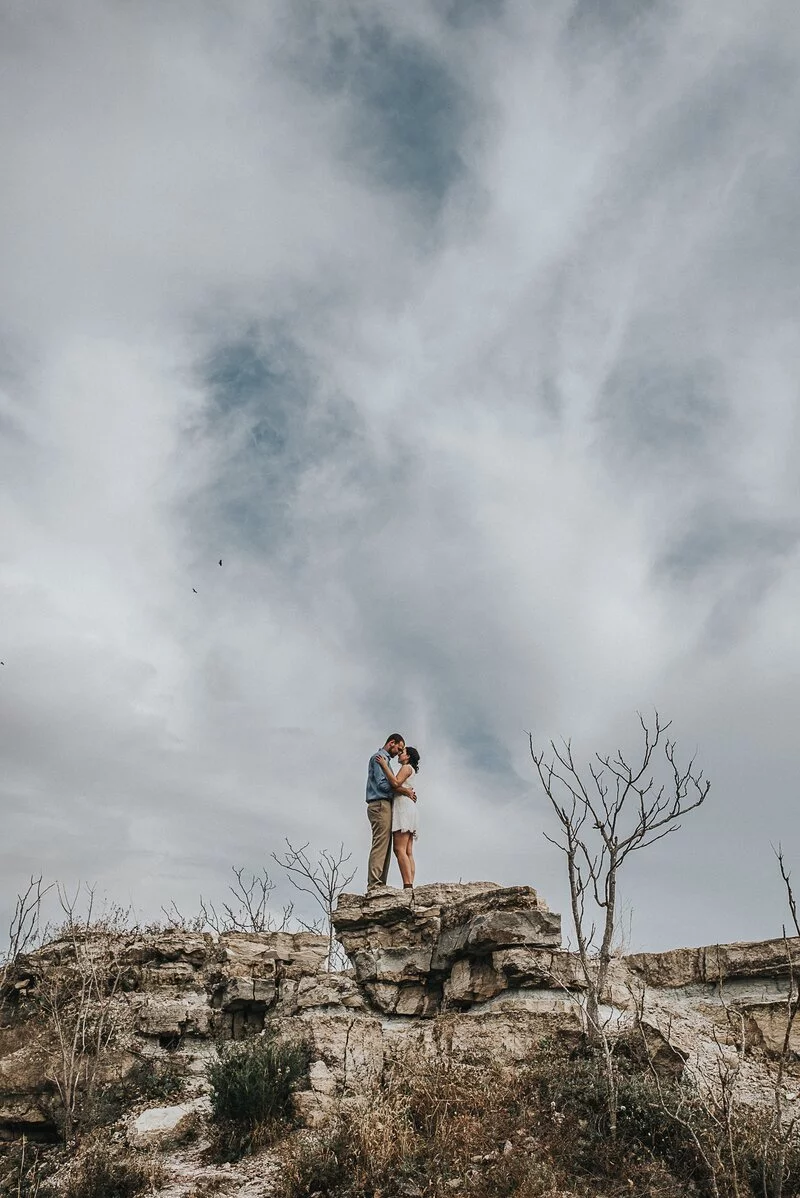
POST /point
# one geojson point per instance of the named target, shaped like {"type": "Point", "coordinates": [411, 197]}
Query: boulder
{"type": "Point", "coordinates": [409, 948]}
{"type": "Point", "coordinates": [190, 1015]}
{"type": "Point", "coordinates": [680, 967]}
{"type": "Point", "coordinates": [328, 990]}
{"type": "Point", "coordinates": [395, 919]}
{"type": "Point", "coordinates": [766, 1028]}
{"type": "Point", "coordinates": [422, 1002]}
{"type": "Point", "coordinates": [349, 1043]}
{"type": "Point", "coordinates": [763, 958]}
{"type": "Point", "coordinates": [539, 967]}
{"type": "Point", "coordinates": [173, 946]}
{"type": "Point", "coordinates": [405, 964]}
{"type": "Point", "coordinates": [238, 992]}
{"type": "Point", "coordinates": [164, 1123]}
{"type": "Point", "coordinates": [472, 981]}
{"type": "Point", "coordinates": [505, 918]}
{"type": "Point", "coordinates": [26, 1090]}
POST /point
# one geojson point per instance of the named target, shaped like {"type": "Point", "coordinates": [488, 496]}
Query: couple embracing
{"type": "Point", "coordinates": [392, 811]}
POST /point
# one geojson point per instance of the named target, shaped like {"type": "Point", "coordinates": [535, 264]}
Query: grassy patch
{"type": "Point", "coordinates": [24, 1169]}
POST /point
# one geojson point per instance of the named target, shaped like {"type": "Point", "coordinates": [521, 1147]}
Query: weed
{"type": "Point", "coordinates": [154, 1080]}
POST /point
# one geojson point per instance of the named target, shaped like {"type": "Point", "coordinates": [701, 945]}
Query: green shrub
{"type": "Point", "coordinates": [252, 1085]}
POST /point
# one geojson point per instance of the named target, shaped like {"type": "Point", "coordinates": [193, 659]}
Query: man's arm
{"type": "Point", "coordinates": [395, 784]}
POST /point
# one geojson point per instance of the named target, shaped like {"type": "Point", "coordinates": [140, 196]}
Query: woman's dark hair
{"type": "Point", "coordinates": [413, 758]}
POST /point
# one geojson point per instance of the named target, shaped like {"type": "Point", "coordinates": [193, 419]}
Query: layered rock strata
{"type": "Point", "coordinates": [474, 972]}
{"type": "Point", "coordinates": [412, 951]}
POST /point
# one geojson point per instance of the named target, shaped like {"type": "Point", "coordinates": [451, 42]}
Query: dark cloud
{"type": "Point", "coordinates": [280, 427]}
{"type": "Point", "coordinates": [662, 411]}
{"type": "Point", "coordinates": [461, 13]}
{"type": "Point", "coordinates": [407, 110]}
{"type": "Point", "coordinates": [721, 537]}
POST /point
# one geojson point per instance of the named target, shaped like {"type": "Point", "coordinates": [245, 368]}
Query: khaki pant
{"type": "Point", "coordinates": [379, 813]}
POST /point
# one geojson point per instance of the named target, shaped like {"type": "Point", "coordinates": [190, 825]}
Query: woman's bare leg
{"type": "Point", "coordinates": [399, 842]}
{"type": "Point", "coordinates": [412, 865]}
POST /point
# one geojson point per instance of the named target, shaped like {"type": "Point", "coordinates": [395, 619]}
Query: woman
{"type": "Point", "coordinates": [404, 815]}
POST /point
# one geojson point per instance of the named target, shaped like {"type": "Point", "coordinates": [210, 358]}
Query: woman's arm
{"type": "Point", "coordinates": [396, 783]}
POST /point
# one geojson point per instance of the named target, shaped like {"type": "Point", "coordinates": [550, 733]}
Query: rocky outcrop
{"type": "Point", "coordinates": [407, 945]}
{"type": "Point", "coordinates": [475, 972]}
{"type": "Point", "coordinates": [171, 995]}
{"type": "Point", "coordinates": [715, 964]}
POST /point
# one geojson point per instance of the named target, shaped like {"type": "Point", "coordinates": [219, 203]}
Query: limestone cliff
{"type": "Point", "coordinates": [472, 971]}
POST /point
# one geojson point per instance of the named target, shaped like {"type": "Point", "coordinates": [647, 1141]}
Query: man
{"type": "Point", "coordinates": [381, 789]}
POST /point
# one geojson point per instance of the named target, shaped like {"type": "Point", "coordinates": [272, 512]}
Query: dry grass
{"type": "Point", "coordinates": [101, 1170]}
{"type": "Point", "coordinates": [436, 1129]}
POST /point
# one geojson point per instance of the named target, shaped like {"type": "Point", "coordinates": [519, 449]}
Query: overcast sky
{"type": "Point", "coordinates": [466, 334]}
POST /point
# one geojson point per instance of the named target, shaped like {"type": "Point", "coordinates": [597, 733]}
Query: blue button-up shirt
{"type": "Point", "coordinates": [378, 785]}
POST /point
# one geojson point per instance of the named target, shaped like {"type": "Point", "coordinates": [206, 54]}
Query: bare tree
{"type": "Point", "coordinates": [175, 919]}
{"type": "Point", "coordinates": [247, 910]}
{"type": "Point", "coordinates": [323, 879]}
{"type": "Point", "coordinates": [621, 808]}
{"type": "Point", "coordinates": [782, 1127]}
{"type": "Point", "coordinates": [23, 931]}
{"type": "Point", "coordinates": [78, 998]}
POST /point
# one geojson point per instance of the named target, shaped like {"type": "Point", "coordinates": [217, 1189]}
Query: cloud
{"type": "Point", "coordinates": [464, 334]}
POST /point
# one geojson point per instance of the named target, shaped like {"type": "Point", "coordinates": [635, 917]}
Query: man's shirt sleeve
{"type": "Point", "coordinates": [378, 786]}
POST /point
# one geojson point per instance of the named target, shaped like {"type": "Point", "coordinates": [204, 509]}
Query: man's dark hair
{"type": "Point", "coordinates": [395, 736]}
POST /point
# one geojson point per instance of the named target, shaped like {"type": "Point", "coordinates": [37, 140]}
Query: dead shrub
{"type": "Point", "coordinates": [102, 1172]}
{"type": "Point", "coordinates": [25, 1168]}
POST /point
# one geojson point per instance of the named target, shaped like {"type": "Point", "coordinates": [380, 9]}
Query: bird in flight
{"type": "Point", "coordinates": [194, 589]}
{"type": "Point", "coordinates": [220, 561]}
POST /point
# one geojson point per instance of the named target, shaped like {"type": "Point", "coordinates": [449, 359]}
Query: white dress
{"type": "Point", "coordinates": [404, 810]}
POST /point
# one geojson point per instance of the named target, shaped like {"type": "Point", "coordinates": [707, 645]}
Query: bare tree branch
{"type": "Point", "coordinates": [78, 999]}
{"type": "Point", "coordinates": [23, 931]}
{"type": "Point", "coordinates": [323, 879]}
{"type": "Point", "coordinates": [618, 808]}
